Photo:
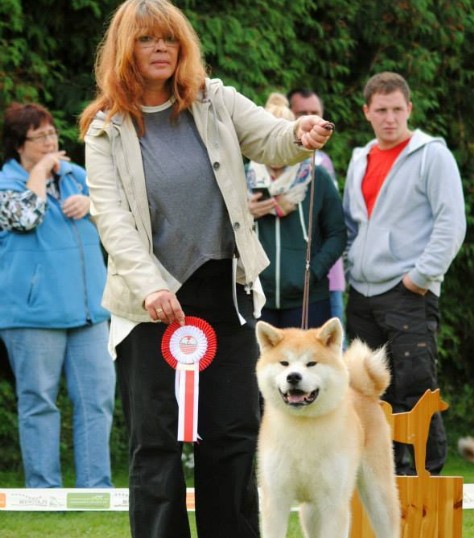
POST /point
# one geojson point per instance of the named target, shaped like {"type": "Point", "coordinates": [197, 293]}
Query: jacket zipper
{"type": "Point", "coordinates": [83, 270]}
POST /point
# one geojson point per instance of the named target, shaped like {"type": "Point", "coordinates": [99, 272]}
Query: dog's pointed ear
{"type": "Point", "coordinates": [268, 336]}
{"type": "Point", "coordinates": [331, 333]}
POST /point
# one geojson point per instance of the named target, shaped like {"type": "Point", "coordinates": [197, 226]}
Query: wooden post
{"type": "Point", "coordinates": [431, 505]}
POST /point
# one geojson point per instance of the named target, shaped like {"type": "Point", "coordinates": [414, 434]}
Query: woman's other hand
{"type": "Point", "coordinates": [164, 306]}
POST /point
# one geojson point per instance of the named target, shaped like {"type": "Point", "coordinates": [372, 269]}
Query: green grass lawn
{"type": "Point", "coordinates": [115, 524]}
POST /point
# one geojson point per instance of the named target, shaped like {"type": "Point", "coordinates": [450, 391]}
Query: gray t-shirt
{"type": "Point", "coordinates": [189, 220]}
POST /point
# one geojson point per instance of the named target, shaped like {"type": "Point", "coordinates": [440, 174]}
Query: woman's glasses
{"type": "Point", "coordinates": [148, 41]}
{"type": "Point", "coordinates": [43, 137]}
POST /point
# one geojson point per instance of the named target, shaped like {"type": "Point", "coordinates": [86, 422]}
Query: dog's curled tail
{"type": "Point", "coordinates": [368, 369]}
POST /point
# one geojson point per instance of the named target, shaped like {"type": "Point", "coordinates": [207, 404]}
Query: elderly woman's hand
{"type": "Point", "coordinates": [49, 163]}
{"type": "Point", "coordinates": [313, 132]}
{"type": "Point", "coordinates": [43, 169]}
{"type": "Point", "coordinates": [76, 206]}
{"type": "Point", "coordinates": [260, 208]}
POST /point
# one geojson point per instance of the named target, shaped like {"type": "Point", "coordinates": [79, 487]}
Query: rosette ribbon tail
{"type": "Point", "coordinates": [187, 394]}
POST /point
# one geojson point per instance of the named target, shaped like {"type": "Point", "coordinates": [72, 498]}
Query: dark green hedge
{"type": "Point", "coordinates": [47, 50]}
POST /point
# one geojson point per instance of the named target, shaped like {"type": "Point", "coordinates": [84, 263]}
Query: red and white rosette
{"type": "Point", "coordinates": [188, 349]}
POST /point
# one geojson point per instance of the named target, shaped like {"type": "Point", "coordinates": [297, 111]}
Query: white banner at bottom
{"type": "Point", "coordinates": [111, 499]}
{"type": "Point", "coordinates": [67, 499]}
{"type": "Point", "coordinates": [71, 499]}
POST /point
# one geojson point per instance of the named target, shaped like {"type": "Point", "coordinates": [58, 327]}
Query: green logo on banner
{"type": "Point", "coordinates": [88, 501]}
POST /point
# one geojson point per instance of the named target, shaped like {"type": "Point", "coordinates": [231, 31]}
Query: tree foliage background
{"type": "Point", "coordinates": [47, 50]}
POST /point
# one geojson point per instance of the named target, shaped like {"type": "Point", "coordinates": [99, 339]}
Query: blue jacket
{"type": "Point", "coordinates": [54, 275]}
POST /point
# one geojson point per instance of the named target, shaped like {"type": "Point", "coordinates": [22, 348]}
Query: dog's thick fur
{"type": "Point", "coordinates": [323, 433]}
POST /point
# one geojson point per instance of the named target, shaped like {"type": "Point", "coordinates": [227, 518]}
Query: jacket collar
{"type": "Point", "coordinates": [14, 171]}
{"type": "Point", "coordinates": [418, 140]}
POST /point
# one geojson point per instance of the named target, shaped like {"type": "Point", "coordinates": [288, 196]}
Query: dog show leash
{"type": "Point", "coordinates": [307, 272]}
{"type": "Point", "coordinates": [305, 307]}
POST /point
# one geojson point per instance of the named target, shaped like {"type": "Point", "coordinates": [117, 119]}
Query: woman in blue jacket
{"type": "Point", "coordinates": [52, 276]}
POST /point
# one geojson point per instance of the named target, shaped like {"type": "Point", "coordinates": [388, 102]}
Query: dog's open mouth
{"type": "Point", "coordinates": [299, 398]}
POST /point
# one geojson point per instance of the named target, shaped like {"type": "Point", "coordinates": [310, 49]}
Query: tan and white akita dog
{"type": "Point", "coordinates": [323, 433]}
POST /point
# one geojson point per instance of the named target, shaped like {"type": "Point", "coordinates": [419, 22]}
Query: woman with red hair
{"type": "Point", "coordinates": [164, 149]}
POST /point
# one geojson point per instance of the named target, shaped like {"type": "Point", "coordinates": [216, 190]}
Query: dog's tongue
{"type": "Point", "coordinates": [296, 398]}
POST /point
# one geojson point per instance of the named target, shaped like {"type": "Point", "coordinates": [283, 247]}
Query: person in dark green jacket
{"type": "Point", "coordinates": [279, 201]}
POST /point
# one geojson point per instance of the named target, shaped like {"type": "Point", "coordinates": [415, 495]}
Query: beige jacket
{"type": "Point", "coordinates": [230, 125]}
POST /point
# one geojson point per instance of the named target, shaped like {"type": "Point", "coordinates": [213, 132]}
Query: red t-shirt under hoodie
{"type": "Point", "coordinates": [379, 163]}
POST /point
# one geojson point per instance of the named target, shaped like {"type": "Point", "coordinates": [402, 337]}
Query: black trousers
{"type": "Point", "coordinates": [225, 486]}
{"type": "Point", "coordinates": [408, 324]}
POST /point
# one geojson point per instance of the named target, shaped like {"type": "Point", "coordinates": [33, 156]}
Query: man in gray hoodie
{"type": "Point", "coordinates": [405, 214]}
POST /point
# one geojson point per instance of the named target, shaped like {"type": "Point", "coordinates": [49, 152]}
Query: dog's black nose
{"type": "Point", "coordinates": [294, 378]}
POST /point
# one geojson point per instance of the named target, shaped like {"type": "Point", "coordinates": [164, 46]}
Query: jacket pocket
{"type": "Point", "coordinates": [371, 257]}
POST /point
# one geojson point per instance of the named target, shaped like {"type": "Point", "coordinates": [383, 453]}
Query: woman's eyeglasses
{"type": "Point", "coordinates": [148, 41]}
{"type": "Point", "coordinates": [43, 137]}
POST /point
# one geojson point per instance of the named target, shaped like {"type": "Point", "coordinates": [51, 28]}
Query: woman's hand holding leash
{"type": "Point", "coordinates": [312, 132]}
